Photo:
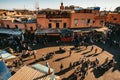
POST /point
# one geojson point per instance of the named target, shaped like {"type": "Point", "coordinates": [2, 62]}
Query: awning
{"type": "Point", "coordinates": [15, 32]}
{"type": "Point", "coordinates": [47, 31]}
{"type": "Point", "coordinates": [103, 30]}
{"type": "Point", "coordinates": [52, 34]}
{"type": "Point", "coordinates": [66, 31]}
{"type": "Point", "coordinates": [42, 68]}
{"type": "Point", "coordinates": [51, 31]}
{"type": "Point", "coordinates": [7, 56]}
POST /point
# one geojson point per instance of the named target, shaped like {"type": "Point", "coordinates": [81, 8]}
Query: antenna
{"type": "Point", "coordinates": [24, 7]}
{"type": "Point", "coordinates": [36, 5]}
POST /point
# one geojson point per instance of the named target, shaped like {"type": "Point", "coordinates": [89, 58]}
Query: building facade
{"type": "Point", "coordinates": [54, 19]}
{"type": "Point", "coordinates": [70, 18]}
{"type": "Point", "coordinates": [113, 18]}
{"type": "Point", "coordinates": [11, 23]}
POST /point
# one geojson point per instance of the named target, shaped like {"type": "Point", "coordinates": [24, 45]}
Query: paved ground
{"type": "Point", "coordinates": [65, 59]}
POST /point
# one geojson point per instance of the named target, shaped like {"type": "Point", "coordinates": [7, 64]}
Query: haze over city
{"type": "Point", "coordinates": [54, 4]}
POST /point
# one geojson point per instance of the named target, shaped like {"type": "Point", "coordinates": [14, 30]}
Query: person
{"type": "Point", "coordinates": [91, 40]}
{"type": "Point", "coordinates": [57, 42]}
{"type": "Point", "coordinates": [15, 63]}
{"type": "Point", "coordinates": [113, 62]}
{"type": "Point", "coordinates": [91, 48]}
{"type": "Point", "coordinates": [11, 50]}
{"type": "Point", "coordinates": [61, 66]}
{"type": "Point", "coordinates": [43, 56]}
{"type": "Point", "coordinates": [49, 72]}
{"type": "Point", "coordinates": [34, 52]}
{"type": "Point", "coordinates": [47, 64]}
{"type": "Point", "coordinates": [18, 48]}
{"type": "Point", "coordinates": [102, 50]}
{"type": "Point", "coordinates": [29, 48]}
{"type": "Point", "coordinates": [20, 60]}
{"type": "Point", "coordinates": [88, 61]}
{"type": "Point", "coordinates": [70, 65]}
{"type": "Point", "coordinates": [106, 60]}
{"type": "Point", "coordinates": [97, 62]}
{"type": "Point", "coordinates": [60, 48]}
{"type": "Point", "coordinates": [96, 50]}
{"type": "Point", "coordinates": [70, 53]}
{"type": "Point", "coordinates": [86, 45]}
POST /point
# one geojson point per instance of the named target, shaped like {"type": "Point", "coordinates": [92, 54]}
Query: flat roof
{"type": "Point", "coordinates": [28, 73]}
{"type": "Point", "coordinates": [6, 56]}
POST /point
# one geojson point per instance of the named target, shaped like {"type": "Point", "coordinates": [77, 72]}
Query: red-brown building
{"type": "Point", "coordinates": [113, 18]}
{"type": "Point", "coordinates": [66, 18]}
{"type": "Point", "coordinates": [12, 23]}
{"type": "Point", "coordinates": [54, 19]}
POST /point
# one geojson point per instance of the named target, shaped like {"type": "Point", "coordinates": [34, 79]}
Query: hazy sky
{"type": "Point", "coordinates": [54, 4]}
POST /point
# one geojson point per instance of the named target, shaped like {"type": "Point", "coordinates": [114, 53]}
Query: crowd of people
{"type": "Point", "coordinates": [84, 64]}
{"type": "Point", "coordinates": [17, 45]}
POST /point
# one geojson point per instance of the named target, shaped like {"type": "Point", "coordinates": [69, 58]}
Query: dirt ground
{"type": "Point", "coordinates": [65, 59]}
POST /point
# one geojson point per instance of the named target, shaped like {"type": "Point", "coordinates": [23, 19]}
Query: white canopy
{"type": "Point", "coordinates": [6, 56]}
{"type": "Point", "coordinates": [104, 29]}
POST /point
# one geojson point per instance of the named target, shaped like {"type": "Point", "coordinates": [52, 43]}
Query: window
{"type": "Point", "coordinates": [88, 21]}
{"type": "Point", "coordinates": [8, 26]}
{"type": "Point", "coordinates": [38, 26]}
{"type": "Point", "coordinates": [49, 25]}
{"type": "Point", "coordinates": [57, 25]}
{"type": "Point", "coordinates": [76, 22]}
{"type": "Point", "coordinates": [114, 19]}
{"type": "Point", "coordinates": [84, 11]}
{"type": "Point", "coordinates": [16, 26]}
{"type": "Point", "coordinates": [31, 28]}
{"type": "Point", "coordinates": [64, 25]}
{"type": "Point", "coordinates": [101, 22]}
{"type": "Point", "coordinates": [82, 20]}
{"type": "Point", "coordinates": [90, 11]}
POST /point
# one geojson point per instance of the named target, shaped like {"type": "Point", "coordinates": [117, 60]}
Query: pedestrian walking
{"type": "Point", "coordinates": [96, 50]}
{"type": "Point", "coordinates": [20, 60]}
{"type": "Point", "coordinates": [97, 62]}
{"type": "Point", "coordinates": [47, 64]}
{"type": "Point", "coordinates": [43, 57]}
{"type": "Point", "coordinates": [91, 48]}
{"type": "Point", "coordinates": [34, 52]}
{"type": "Point", "coordinates": [106, 60]}
{"type": "Point", "coordinates": [113, 62]}
{"type": "Point", "coordinates": [15, 63]}
{"type": "Point", "coordinates": [86, 45]}
{"type": "Point", "coordinates": [70, 65]}
{"type": "Point", "coordinates": [70, 53]}
{"type": "Point", "coordinates": [61, 66]}
{"type": "Point", "coordinates": [102, 50]}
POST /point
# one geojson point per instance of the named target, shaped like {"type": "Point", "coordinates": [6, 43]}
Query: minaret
{"type": "Point", "coordinates": [61, 7]}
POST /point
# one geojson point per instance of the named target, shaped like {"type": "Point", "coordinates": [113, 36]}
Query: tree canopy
{"type": "Point", "coordinates": [117, 9]}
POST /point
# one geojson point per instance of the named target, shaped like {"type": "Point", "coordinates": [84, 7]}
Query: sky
{"type": "Point", "coordinates": [54, 4]}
